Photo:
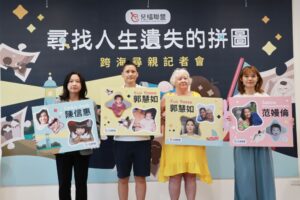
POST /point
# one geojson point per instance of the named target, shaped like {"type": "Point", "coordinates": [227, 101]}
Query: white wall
{"type": "Point", "coordinates": [219, 190]}
{"type": "Point", "coordinates": [296, 44]}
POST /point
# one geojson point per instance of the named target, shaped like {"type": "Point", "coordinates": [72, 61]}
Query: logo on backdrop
{"type": "Point", "coordinates": [147, 16]}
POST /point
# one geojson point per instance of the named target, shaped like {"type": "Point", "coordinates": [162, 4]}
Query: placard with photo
{"type": "Point", "coordinates": [130, 111]}
{"type": "Point", "coordinates": [261, 121]}
{"type": "Point", "coordinates": [194, 121]}
{"type": "Point", "coordinates": [65, 127]}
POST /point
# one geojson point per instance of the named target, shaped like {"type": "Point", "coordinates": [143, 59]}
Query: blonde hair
{"type": "Point", "coordinates": [178, 72]}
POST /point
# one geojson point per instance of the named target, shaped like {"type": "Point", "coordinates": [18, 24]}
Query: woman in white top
{"type": "Point", "coordinates": [253, 166]}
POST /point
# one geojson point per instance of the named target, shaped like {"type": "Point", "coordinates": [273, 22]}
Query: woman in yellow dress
{"type": "Point", "coordinates": [182, 161]}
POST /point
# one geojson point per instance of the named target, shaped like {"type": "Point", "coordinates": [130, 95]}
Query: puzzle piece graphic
{"type": "Point", "coordinates": [17, 60]}
{"type": "Point", "coordinates": [12, 128]}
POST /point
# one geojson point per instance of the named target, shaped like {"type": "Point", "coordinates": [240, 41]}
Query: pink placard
{"type": "Point", "coordinates": [261, 121]}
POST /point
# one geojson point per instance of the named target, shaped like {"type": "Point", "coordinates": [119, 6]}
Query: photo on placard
{"type": "Point", "coordinates": [205, 113]}
{"type": "Point", "coordinates": [80, 131]}
{"type": "Point", "coordinates": [247, 116]}
{"type": "Point", "coordinates": [277, 131]}
{"type": "Point", "coordinates": [189, 127]}
{"type": "Point", "coordinates": [42, 118]}
{"type": "Point", "coordinates": [118, 105]}
{"type": "Point", "coordinates": [144, 120]}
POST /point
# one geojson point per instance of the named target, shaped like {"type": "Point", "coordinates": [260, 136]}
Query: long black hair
{"type": "Point", "coordinates": [66, 94]}
{"type": "Point", "coordinates": [243, 116]}
{"type": "Point", "coordinates": [195, 131]}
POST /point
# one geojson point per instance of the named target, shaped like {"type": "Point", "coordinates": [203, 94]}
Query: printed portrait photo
{"type": "Point", "coordinates": [42, 118]}
{"type": "Point", "coordinates": [55, 125]}
{"type": "Point", "coordinates": [80, 131]}
{"type": "Point", "coordinates": [144, 120]}
{"type": "Point", "coordinates": [205, 113]}
{"type": "Point", "coordinates": [189, 127]}
{"type": "Point", "coordinates": [277, 132]}
{"type": "Point", "coordinates": [247, 116]}
{"type": "Point", "coordinates": [118, 105]}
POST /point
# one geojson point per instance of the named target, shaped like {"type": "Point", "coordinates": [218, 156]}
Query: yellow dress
{"type": "Point", "coordinates": [178, 159]}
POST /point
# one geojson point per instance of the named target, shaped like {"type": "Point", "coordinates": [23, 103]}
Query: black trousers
{"type": "Point", "coordinates": [65, 163]}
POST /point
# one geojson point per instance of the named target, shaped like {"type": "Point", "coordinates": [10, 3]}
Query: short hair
{"type": "Point", "coordinates": [52, 122]}
{"type": "Point", "coordinates": [202, 108]}
{"type": "Point", "coordinates": [38, 115]}
{"type": "Point", "coordinates": [248, 70]}
{"type": "Point", "coordinates": [148, 111]}
{"type": "Point", "coordinates": [209, 110]}
{"type": "Point", "coordinates": [118, 96]}
{"type": "Point", "coordinates": [177, 72]}
{"type": "Point", "coordinates": [275, 126]}
{"type": "Point", "coordinates": [86, 124]}
{"type": "Point", "coordinates": [128, 62]}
